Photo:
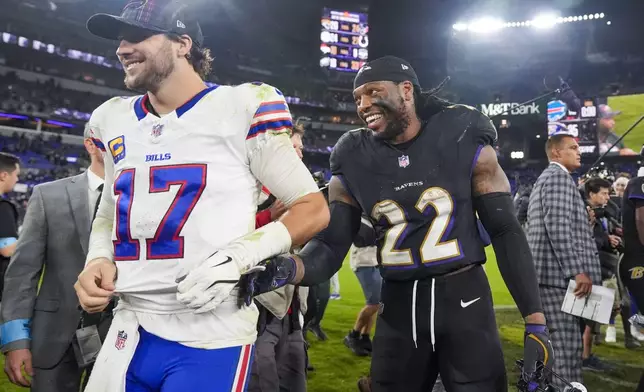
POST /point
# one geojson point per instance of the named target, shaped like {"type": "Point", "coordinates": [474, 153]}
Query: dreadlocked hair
{"type": "Point", "coordinates": [427, 103]}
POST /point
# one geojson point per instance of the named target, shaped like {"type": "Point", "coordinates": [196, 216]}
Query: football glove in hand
{"type": "Point", "coordinates": [536, 348]}
{"type": "Point", "coordinates": [211, 283]}
{"type": "Point", "coordinates": [268, 275]}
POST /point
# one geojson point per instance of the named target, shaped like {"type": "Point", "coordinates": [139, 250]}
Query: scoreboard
{"type": "Point", "coordinates": [581, 124]}
{"type": "Point", "coordinates": [344, 40]}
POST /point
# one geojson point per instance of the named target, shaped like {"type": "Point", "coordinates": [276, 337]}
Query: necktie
{"type": "Point", "coordinates": [98, 201]}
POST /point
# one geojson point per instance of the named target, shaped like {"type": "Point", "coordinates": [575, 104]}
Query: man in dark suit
{"type": "Point", "coordinates": [38, 324]}
{"type": "Point", "coordinates": [562, 244]}
{"type": "Point", "coordinates": [9, 172]}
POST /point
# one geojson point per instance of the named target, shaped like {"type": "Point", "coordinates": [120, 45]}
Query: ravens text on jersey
{"type": "Point", "coordinates": [418, 194]}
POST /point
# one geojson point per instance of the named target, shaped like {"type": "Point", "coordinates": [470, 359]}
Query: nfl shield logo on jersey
{"type": "Point", "coordinates": [121, 338]}
{"type": "Point", "coordinates": [403, 161]}
{"type": "Point", "coordinates": [157, 130]}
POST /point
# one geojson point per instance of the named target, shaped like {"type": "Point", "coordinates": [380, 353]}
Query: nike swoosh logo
{"type": "Point", "coordinates": [228, 260]}
{"type": "Point", "coordinates": [466, 304]}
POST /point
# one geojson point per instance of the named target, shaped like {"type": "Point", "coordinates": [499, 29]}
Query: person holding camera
{"type": "Point", "coordinates": [607, 234]}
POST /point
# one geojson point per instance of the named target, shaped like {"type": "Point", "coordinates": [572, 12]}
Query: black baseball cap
{"type": "Point", "coordinates": [387, 68]}
{"type": "Point", "coordinates": [152, 16]}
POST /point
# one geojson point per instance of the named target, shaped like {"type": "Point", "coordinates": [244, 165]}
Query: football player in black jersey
{"type": "Point", "coordinates": [422, 170]}
{"type": "Point", "coordinates": [631, 267]}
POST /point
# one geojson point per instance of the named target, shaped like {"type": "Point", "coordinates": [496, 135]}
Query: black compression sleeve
{"type": "Point", "coordinates": [513, 255]}
{"type": "Point", "coordinates": [324, 254]}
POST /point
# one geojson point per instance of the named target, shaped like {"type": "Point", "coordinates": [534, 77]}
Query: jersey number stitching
{"type": "Point", "coordinates": [166, 243]}
{"type": "Point", "coordinates": [432, 249]}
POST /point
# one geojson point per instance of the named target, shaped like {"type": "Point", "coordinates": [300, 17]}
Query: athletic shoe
{"type": "Point", "coordinates": [318, 332]}
{"type": "Point", "coordinates": [335, 296]}
{"type": "Point", "coordinates": [354, 344]}
{"type": "Point", "coordinates": [594, 363]}
{"type": "Point", "coordinates": [631, 343]}
{"type": "Point", "coordinates": [611, 334]}
{"type": "Point", "coordinates": [365, 342]}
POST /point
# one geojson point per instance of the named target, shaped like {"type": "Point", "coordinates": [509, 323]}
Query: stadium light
{"type": "Point", "coordinates": [460, 27]}
{"type": "Point", "coordinates": [545, 21]}
{"type": "Point", "coordinates": [485, 25]}
{"type": "Point", "coordinates": [608, 23]}
{"type": "Point", "coordinates": [517, 155]}
{"type": "Point", "coordinates": [542, 21]}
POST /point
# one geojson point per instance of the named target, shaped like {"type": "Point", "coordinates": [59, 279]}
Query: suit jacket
{"type": "Point", "coordinates": [559, 234]}
{"type": "Point", "coordinates": [53, 242]}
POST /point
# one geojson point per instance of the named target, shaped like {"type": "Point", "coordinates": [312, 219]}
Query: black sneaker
{"type": "Point", "coordinates": [365, 342]}
{"type": "Point", "coordinates": [595, 364]}
{"type": "Point", "coordinates": [631, 343]}
{"type": "Point", "coordinates": [355, 345]}
{"type": "Point", "coordinates": [318, 332]}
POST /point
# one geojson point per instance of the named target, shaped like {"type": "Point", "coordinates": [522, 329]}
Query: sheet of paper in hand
{"type": "Point", "coordinates": [597, 306]}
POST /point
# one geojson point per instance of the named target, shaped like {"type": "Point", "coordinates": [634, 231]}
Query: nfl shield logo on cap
{"type": "Point", "coordinates": [403, 161]}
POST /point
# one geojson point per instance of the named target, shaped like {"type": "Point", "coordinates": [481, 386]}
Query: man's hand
{"type": "Point", "coordinates": [591, 215]}
{"type": "Point", "coordinates": [277, 209]}
{"type": "Point", "coordinates": [14, 362]}
{"type": "Point", "coordinates": [269, 275]}
{"type": "Point", "coordinates": [536, 348]}
{"type": "Point", "coordinates": [614, 240]}
{"type": "Point", "coordinates": [95, 285]}
{"type": "Point", "coordinates": [584, 285]}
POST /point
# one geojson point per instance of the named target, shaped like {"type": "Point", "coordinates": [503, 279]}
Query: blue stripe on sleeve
{"type": "Point", "coordinates": [15, 330]}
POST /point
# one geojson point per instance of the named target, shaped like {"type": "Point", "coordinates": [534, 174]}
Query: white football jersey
{"type": "Point", "coordinates": [182, 188]}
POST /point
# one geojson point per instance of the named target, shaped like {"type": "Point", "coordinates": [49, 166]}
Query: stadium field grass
{"type": "Point", "coordinates": [337, 369]}
{"type": "Point", "coordinates": [631, 108]}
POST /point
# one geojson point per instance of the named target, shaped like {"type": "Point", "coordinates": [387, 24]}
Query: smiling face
{"type": "Point", "coordinates": [386, 107]}
{"type": "Point", "coordinates": [147, 59]}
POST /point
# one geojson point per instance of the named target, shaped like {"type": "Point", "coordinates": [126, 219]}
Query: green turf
{"type": "Point", "coordinates": [632, 107]}
{"type": "Point", "coordinates": [337, 370]}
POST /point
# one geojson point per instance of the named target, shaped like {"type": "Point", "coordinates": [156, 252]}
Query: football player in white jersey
{"type": "Point", "coordinates": [175, 229]}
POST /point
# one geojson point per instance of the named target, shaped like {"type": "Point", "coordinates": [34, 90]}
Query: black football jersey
{"type": "Point", "coordinates": [633, 198]}
{"type": "Point", "coordinates": [418, 194]}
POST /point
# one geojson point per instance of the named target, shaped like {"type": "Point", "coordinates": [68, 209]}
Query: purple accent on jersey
{"type": "Point", "coordinates": [138, 108]}
{"type": "Point", "coordinates": [193, 101]}
{"type": "Point", "coordinates": [638, 197]}
{"type": "Point", "coordinates": [476, 158]}
{"type": "Point", "coordinates": [536, 328]}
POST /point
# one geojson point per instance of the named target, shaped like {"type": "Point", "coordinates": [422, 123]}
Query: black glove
{"type": "Point", "coordinates": [276, 272]}
{"type": "Point", "coordinates": [536, 348]}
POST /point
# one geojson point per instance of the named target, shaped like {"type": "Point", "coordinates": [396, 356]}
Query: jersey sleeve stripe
{"type": "Point", "coordinates": [271, 125]}
{"type": "Point", "coordinates": [98, 143]}
{"type": "Point", "coordinates": [269, 107]}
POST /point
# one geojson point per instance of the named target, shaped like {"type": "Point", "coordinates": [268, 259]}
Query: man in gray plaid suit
{"type": "Point", "coordinates": [561, 241]}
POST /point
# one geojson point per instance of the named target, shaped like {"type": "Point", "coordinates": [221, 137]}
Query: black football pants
{"type": "Point", "coordinates": [442, 325]}
{"type": "Point", "coordinates": [631, 271]}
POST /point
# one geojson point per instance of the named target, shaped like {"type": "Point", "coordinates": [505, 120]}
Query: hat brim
{"type": "Point", "coordinates": [111, 26]}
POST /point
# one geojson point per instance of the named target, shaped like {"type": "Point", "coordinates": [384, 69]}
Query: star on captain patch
{"type": "Point", "coordinates": [157, 130]}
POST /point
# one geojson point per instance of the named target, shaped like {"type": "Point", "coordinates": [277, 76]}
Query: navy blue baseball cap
{"type": "Point", "coordinates": [149, 16]}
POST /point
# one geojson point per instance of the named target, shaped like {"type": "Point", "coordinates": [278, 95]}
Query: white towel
{"type": "Point", "coordinates": [118, 349]}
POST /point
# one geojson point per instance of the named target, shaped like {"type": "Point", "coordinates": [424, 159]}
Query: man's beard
{"type": "Point", "coordinates": [150, 79]}
{"type": "Point", "coordinates": [397, 119]}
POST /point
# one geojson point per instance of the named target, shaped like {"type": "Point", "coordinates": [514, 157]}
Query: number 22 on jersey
{"type": "Point", "coordinates": [166, 243]}
{"type": "Point", "coordinates": [431, 249]}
